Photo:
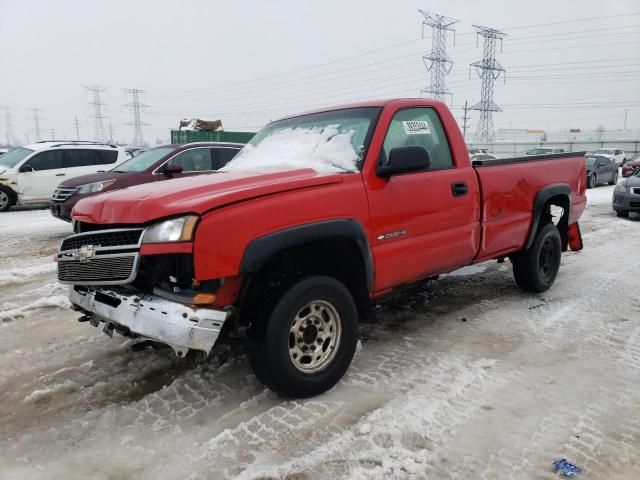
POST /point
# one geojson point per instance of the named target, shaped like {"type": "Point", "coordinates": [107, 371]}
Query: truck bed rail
{"type": "Point", "coordinates": [527, 158]}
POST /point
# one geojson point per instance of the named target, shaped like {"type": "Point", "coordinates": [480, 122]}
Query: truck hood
{"type": "Point", "coordinates": [198, 194]}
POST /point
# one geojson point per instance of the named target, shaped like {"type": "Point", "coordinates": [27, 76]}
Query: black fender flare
{"type": "Point", "coordinates": [258, 251]}
{"type": "Point", "coordinates": [542, 197]}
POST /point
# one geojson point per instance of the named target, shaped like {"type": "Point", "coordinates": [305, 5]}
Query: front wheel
{"type": "Point", "coordinates": [536, 268]}
{"type": "Point", "coordinates": [591, 181]}
{"type": "Point", "coordinates": [6, 198]}
{"type": "Point", "coordinates": [622, 213]}
{"type": "Point", "coordinates": [309, 340]}
{"type": "Point", "coordinates": [614, 179]}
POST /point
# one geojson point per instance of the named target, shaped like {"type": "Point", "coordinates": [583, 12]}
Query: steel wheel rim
{"type": "Point", "coordinates": [592, 181]}
{"type": "Point", "coordinates": [4, 199]}
{"type": "Point", "coordinates": [314, 336]}
{"type": "Point", "coordinates": [547, 259]}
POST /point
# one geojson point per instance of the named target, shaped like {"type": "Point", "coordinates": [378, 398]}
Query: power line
{"type": "Point", "coordinates": [136, 107]}
{"type": "Point", "coordinates": [8, 125]}
{"type": "Point", "coordinates": [76, 124]}
{"type": "Point", "coordinates": [36, 123]}
{"type": "Point", "coordinates": [437, 61]}
{"type": "Point", "coordinates": [98, 116]}
{"type": "Point", "coordinates": [488, 70]}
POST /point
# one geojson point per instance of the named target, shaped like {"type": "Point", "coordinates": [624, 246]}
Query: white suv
{"type": "Point", "coordinates": [615, 154]}
{"type": "Point", "coordinates": [30, 174]}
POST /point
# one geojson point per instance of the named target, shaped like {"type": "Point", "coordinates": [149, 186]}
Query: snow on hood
{"type": "Point", "coordinates": [324, 149]}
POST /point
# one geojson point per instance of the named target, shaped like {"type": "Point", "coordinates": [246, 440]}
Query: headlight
{"type": "Point", "coordinates": [94, 187]}
{"type": "Point", "coordinates": [178, 229]}
{"type": "Point", "coordinates": [621, 187]}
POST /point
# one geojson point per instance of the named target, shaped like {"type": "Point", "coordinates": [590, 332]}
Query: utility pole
{"type": "Point", "coordinates": [625, 120]}
{"type": "Point", "coordinates": [36, 123]}
{"type": "Point", "coordinates": [8, 126]}
{"type": "Point", "coordinates": [136, 107]}
{"type": "Point", "coordinates": [465, 119]}
{"type": "Point", "coordinates": [53, 134]}
{"type": "Point", "coordinates": [26, 134]}
{"type": "Point", "coordinates": [98, 116]}
{"type": "Point", "coordinates": [437, 61]}
{"type": "Point", "coordinates": [110, 133]}
{"type": "Point", "coordinates": [77, 125]}
{"type": "Point", "coordinates": [488, 70]}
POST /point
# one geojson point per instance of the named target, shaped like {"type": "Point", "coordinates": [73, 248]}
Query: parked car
{"type": "Point", "coordinates": [482, 156]}
{"type": "Point", "coordinates": [600, 169]}
{"type": "Point", "coordinates": [544, 151]}
{"type": "Point", "coordinates": [160, 163]}
{"type": "Point", "coordinates": [615, 154]}
{"type": "Point", "coordinates": [626, 195]}
{"type": "Point", "coordinates": [316, 217]}
{"type": "Point", "coordinates": [474, 151]}
{"type": "Point", "coordinates": [30, 174]}
{"type": "Point", "coordinates": [631, 165]}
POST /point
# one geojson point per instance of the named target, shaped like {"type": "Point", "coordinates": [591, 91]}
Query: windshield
{"type": "Point", "coordinates": [333, 141]}
{"type": "Point", "coordinates": [143, 161]}
{"type": "Point", "coordinates": [12, 158]}
{"type": "Point", "coordinates": [603, 152]}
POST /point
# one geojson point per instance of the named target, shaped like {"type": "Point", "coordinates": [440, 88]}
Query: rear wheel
{"type": "Point", "coordinates": [7, 198]}
{"type": "Point", "coordinates": [614, 179]}
{"type": "Point", "coordinates": [591, 180]}
{"type": "Point", "coordinates": [309, 340]}
{"type": "Point", "coordinates": [622, 213]}
{"type": "Point", "coordinates": [536, 268]}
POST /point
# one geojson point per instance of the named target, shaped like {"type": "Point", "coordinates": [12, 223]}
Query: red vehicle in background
{"type": "Point", "coordinates": [631, 165]}
{"type": "Point", "coordinates": [319, 215]}
{"type": "Point", "coordinates": [160, 163]}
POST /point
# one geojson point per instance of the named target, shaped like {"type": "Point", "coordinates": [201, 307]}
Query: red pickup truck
{"type": "Point", "coordinates": [293, 256]}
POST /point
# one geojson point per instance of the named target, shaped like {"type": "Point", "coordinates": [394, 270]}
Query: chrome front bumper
{"type": "Point", "coordinates": [154, 318]}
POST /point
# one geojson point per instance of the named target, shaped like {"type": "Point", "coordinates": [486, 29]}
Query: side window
{"type": "Point", "coordinates": [222, 156]}
{"type": "Point", "coordinates": [104, 157]}
{"type": "Point", "coordinates": [421, 127]}
{"type": "Point", "coordinates": [47, 160]}
{"type": "Point", "coordinates": [194, 160]}
{"type": "Point", "coordinates": [79, 158]}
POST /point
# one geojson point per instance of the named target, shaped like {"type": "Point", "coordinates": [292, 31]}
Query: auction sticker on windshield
{"type": "Point", "coordinates": [416, 127]}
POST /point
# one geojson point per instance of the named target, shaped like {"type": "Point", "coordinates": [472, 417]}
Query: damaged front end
{"type": "Point", "coordinates": [152, 297]}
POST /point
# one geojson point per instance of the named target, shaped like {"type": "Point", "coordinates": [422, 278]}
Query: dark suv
{"type": "Point", "coordinates": [160, 163]}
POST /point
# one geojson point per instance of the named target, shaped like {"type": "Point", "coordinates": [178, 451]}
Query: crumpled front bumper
{"type": "Point", "coordinates": [151, 317]}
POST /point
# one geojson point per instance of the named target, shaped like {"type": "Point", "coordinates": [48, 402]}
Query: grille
{"type": "Point", "coordinates": [634, 204]}
{"type": "Point", "coordinates": [115, 238]}
{"type": "Point", "coordinates": [61, 194]}
{"type": "Point", "coordinates": [110, 269]}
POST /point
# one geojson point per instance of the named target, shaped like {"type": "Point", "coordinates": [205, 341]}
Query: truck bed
{"type": "Point", "coordinates": [508, 188]}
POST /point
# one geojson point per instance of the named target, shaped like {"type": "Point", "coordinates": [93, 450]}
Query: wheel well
{"type": "Point", "coordinates": [13, 197]}
{"type": "Point", "coordinates": [337, 257]}
{"type": "Point", "coordinates": [560, 219]}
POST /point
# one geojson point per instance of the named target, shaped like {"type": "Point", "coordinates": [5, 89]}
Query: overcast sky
{"type": "Point", "coordinates": [569, 63]}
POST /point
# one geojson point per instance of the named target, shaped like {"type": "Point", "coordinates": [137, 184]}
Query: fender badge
{"type": "Point", "coordinates": [387, 236]}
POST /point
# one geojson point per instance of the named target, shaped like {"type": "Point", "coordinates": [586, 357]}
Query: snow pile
{"type": "Point", "coordinates": [22, 275]}
{"type": "Point", "coordinates": [58, 301]}
{"type": "Point", "coordinates": [324, 149]}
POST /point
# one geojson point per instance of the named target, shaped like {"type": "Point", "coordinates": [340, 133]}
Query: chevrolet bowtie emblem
{"type": "Point", "coordinates": [85, 253]}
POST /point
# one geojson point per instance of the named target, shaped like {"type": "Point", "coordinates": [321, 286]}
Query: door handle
{"type": "Point", "coordinates": [459, 189]}
{"type": "Point", "coordinates": [60, 174]}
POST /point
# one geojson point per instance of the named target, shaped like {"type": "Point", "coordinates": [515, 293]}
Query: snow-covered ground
{"type": "Point", "coordinates": [462, 378]}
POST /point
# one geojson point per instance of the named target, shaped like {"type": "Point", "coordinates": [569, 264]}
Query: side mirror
{"type": "Point", "coordinates": [26, 168]}
{"type": "Point", "coordinates": [405, 160]}
{"type": "Point", "coordinates": [172, 169]}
